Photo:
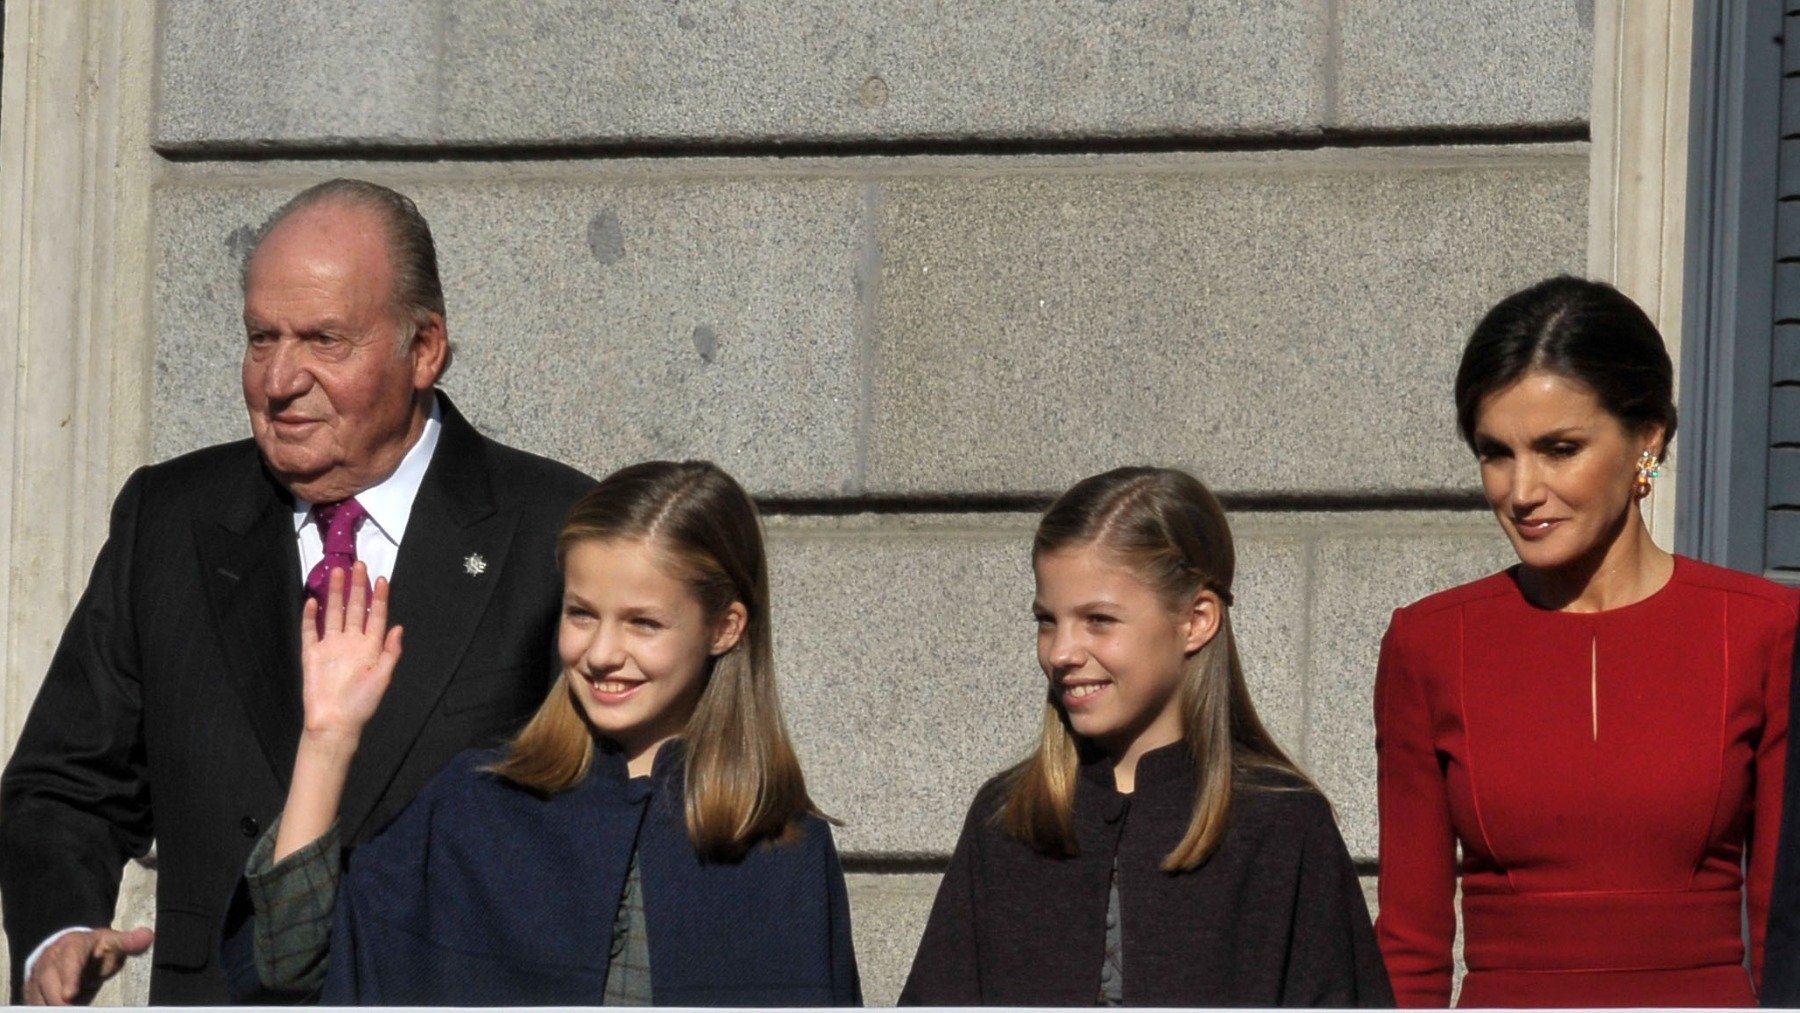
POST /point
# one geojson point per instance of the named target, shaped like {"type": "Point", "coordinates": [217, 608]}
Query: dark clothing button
{"type": "Point", "coordinates": [249, 826]}
{"type": "Point", "coordinates": [1116, 808]}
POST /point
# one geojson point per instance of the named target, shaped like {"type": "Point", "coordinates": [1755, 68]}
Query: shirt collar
{"type": "Point", "coordinates": [389, 502]}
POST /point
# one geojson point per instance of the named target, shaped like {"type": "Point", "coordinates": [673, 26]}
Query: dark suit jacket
{"type": "Point", "coordinates": [172, 708]}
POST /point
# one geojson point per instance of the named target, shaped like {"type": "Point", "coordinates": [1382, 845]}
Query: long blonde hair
{"type": "Point", "coordinates": [1172, 532]}
{"type": "Point", "coordinates": [743, 780]}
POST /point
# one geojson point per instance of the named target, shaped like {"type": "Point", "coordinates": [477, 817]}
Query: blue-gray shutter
{"type": "Point", "coordinates": [1739, 438]}
{"type": "Point", "coordinates": [1782, 533]}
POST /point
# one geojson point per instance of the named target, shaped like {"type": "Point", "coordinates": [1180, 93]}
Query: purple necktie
{"type": "Point", "coordinates": [337, 529]}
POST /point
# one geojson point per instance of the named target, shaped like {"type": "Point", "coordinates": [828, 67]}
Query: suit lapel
{"type": "Point", "coordinates": [250, 570]}
{"type": "Point", "coordinates": [452, 557]}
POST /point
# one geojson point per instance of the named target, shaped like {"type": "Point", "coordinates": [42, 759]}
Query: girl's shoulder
{"type": "Point", "coordinates": [990, 797]}
{"type": "Point", "coordinates": [807, 847]}
{"type": "Point", "coordinates": [458, 802]}
{"type": "Point", "coordinates": [469, 769]}
{"type": "Point", "coordinates": [982, 816]}
{"type": "Point", "coordinates": [1280, 801]}
{"type": "Point", "coordinates": [1274, 778]}
{"type": "Point", "coordinates": [467, 786]}
{"type": "Point", "coordinates": [472, 762]}
{"type": "Point", "coordinates": [814, 831]}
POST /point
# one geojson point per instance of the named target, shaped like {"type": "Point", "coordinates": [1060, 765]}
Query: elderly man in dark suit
{"type": "Point", "coordinates": [172, 710]}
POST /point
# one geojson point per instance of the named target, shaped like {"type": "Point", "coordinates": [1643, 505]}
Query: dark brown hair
{"type": "Point", "coordinates": [1586, 331]}
{"type": "Point", "coordinates": [1172, 532]}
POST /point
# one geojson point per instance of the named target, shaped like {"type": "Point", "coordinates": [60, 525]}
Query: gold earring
{"type": "Point", "coordinates": [1649, 469]}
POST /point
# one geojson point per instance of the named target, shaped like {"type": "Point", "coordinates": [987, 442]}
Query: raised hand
{"type": "Point", "coordinates": [346, 669]}
{"type": "Point", "coordinates": [346, 663]}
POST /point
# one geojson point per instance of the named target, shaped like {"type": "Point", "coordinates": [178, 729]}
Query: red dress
{"type": "Point", "coordinates": [1602, 772]}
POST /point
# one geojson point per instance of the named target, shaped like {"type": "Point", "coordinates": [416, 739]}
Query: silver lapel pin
{"type": "Point", "coordinates": [474, 566]}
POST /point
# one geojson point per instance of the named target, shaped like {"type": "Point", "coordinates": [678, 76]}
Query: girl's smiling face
{"type": "Point", "coordinates": [636, 644]}
{"type": "Point", "coordinates": [1114, 650]}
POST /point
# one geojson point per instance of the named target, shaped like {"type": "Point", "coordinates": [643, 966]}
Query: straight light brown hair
{"type": "Point", "coordinates": [743, 779]}
{"type": "Point", "coordinates": [1172, 533]}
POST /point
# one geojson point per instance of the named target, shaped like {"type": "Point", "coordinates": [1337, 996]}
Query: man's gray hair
{"type": "Point", "coordinates": [417, 289]}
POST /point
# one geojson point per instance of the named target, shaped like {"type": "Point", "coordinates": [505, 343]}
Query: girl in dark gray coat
{"type": "Point", "coordinates": [1158, 848]}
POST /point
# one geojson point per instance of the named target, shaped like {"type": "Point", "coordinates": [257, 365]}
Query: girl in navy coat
{"type": "Point", "coordinates": [646, 839]}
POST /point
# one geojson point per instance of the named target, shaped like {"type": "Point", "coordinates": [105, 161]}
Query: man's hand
{"type": "Point", "coordinates": [74, 967]}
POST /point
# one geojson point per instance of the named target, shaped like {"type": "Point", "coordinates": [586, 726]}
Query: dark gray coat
{"type": "Point", "coordinates": [1274, 918]}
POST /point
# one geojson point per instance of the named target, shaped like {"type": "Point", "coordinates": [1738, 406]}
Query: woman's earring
{"type": "Point", "coordinates": [1649, 469]}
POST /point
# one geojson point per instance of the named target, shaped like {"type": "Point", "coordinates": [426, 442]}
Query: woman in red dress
{"type": "Point", "coordinates": [1602, 727]}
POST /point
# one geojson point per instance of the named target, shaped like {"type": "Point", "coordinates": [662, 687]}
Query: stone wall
{"type": "Point", "coordinates": [910, 268]}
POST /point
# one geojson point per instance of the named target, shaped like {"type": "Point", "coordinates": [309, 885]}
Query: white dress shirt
{"type": "Point", "coordinates": [389, 505]}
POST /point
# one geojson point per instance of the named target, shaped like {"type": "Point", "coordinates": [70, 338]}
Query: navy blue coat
{"type": "Point", "coordinates": [482, 893]}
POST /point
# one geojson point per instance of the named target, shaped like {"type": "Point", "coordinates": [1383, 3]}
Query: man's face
{"type": "Point", "coordinates": [330, 379]}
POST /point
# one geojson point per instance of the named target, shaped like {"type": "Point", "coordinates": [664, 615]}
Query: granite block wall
{"type": "Point", "coordinates": [426, 74]}
{"type": "Point", "coordinates": [910, 268]}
